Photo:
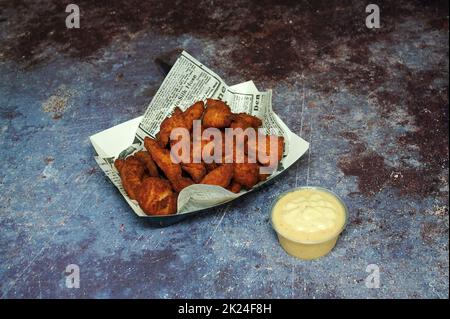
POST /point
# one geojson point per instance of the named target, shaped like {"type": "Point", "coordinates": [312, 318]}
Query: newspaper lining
{"type": "Point", "coordinates": [187, 82]}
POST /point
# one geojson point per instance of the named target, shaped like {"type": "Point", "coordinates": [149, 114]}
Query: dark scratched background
{"type": "Point", "coordinates": [373, 103]}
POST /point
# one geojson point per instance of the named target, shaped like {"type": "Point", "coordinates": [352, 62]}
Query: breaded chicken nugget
{"type": "Point", "coordinates": [131, 172]}
{"type": "Point", "coordinates": [177, 111]}
{"type": "Point", "coordinates": [179, 119]}
{"type": "Point", "coordinates": [162, 158]}
{"type": "Point", "coordinates": [217, 114]}
{"type": "Point", "coordinates": [244, 121]}
{"type": "Point", "coordinates": [211, 166]}
{"type": "Point", "coordinates": [119, 163]}
{"type": "Point", "coordinates": [246, 174]}
{"type": "Point", "coordinates": [234, 187]}
{"type": "Point", "coordinates": [170, 123]}
{"type": "Point", "coordinates": [196, 170]}
{"type": "Point", "coordinates": [148, 162]}
{"type": "Point", "coordinates": [221, 176]}
{"type": "Point", "coordinates": [273, 153]}
{"type": "Point", "coordinates": [192, 113]}
{"type": "Point", "coordinates": [156, 197]}
{"type": "Point", "coordinates": [214, 144]}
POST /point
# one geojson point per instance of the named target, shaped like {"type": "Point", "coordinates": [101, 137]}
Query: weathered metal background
{"type": "Point", "coordinates": [372, 103]}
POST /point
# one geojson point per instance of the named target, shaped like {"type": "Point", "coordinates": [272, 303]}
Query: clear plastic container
{"type": "Point", "coordinates": [309, 249]}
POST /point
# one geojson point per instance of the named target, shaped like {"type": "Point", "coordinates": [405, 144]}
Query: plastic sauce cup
{"type": "Point", "coordinates": [308, 221]}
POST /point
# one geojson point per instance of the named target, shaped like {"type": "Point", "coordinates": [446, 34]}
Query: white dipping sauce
{"type": "Point", "coordinates": [308, 215]}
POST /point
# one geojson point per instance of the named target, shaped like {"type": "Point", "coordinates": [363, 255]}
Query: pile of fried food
{"type": "Point", "coordinates": [153, 179]}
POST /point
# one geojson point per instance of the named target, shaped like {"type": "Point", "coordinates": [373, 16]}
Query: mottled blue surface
{"type": "Point", "coordinates": [57, 208]}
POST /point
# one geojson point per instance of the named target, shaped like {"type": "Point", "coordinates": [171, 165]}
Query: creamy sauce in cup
{"type": "Point", "coordinates": [308, 215]}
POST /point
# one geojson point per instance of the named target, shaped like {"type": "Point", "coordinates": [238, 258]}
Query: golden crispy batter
{"type": "Point", "coordinates": [251, 120]}
{"type": "Point", "coordinates": [214, 145]}
{"type": "Point", "coordinates": [170, 123]}
{"type": "Point", "coordinates": [221, 176]}
{"type": "Point", "coordinates": [177, 111]}
{"type": "Point", "coordinates": [119, 163]}
{"type": "Point", "coordinates": [205, 149]}
{"type": "Point", "coordinates": [131, 172]}
{"type": "Point", "coordinates": [148, 162]}
{"type": "Point", "coordinates": [192, 113]}
{"type": "Point", "coordinates": [179, 119]}
{"type": "Point", "coordinates": [235, 152]}
{"type": "Point", "coordinates": [196, 170]}
{"type": "Point", "coordinates": [156, 197]}
{"type": "Point", "coordinates": [263, 177]}
{"type": "Point", "coordinates": [246, 174]}
{"type": "Point", "coordinates": [211, 166]}
{"type": "Point", "coordinates": [274, 153]}
{"type": "Point", "coordinates": [177, 150]}
{"type": "Point", "coordinates": [218, 147]}
{"type": "Point", "coordinates": [228, 154]}
{"type": "Point", "coordinates": [162, 158]}
{"type": "Point", "coordinates": [217, 114]}
{"type": "Point", "coordinates": [244, 121]}
{"type": "Point", "coordinates": [182, 183]}
{"type": "Point", "coordinates": [234, 187]}
{"type": "Point", "coordinates": [217, 151]}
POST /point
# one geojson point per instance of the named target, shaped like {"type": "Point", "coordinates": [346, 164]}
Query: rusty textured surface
{"type": "Point", "coordinates": [372, 103]}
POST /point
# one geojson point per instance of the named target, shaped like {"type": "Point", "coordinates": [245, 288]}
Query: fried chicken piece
{"type": "Point", "coordinates": [131, 172]}
{"type": "Point", "coordinates": [244, 121]}
{"type": "Point", "coordinates": [192, 113]}
{"type": "Point", "coordinates": [274, 153]}
{"type": "Point", "coordinates": [156, 197]}
{"type": "Point", "coordinates": [170, 123]}
{"type": "Point", "coordinates": [196, 170]}
{"type": "Point", "coordinates": [217, 114]}
{"type": "Point", "coordinates": [177, 111]}
{"type": "Point", "coordinates": [208, 148]}
{"type": "Point", "coordinates": [211, 166]}
{"type": "Point", "coordinates": [148, 162]}
{"type": "Point", "coordinates": [179, 119]}
{"type": "Point", "coordinates": [235, 152]}
{"type": "Point", "coordinates": [263, 177]}
{"type": "Point", "coordinates": [234, 187]}
{"type": "Point", "coordinates": [181, 184]}
{"type": "Point", "coordinates": [246, 174]}
{"type": "Point", "coordinates": [119, 163]}
{"type": "Point", "coordinates": [221, 176]}
{"type": "Point", "coordinates": [218, 147]}
{"type": "Point", "coordinates": [251, 120]}
{"type": "Point", "coordinates": [214, 144]}
{"type": "Point", "coordinates": [203, 149]}
{"type": "Point", "coordinates": [221, 152]}
{"type": "Point", "coordinates": [163, 159]}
